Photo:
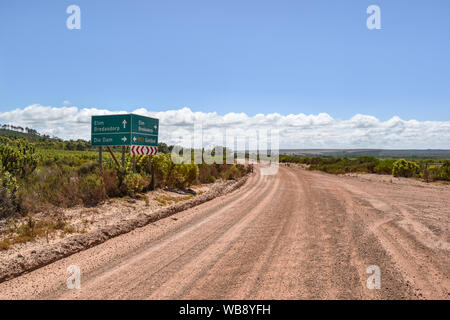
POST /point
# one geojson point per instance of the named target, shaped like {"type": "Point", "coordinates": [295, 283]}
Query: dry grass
{"type": "Point", "coordinates": [4, 244]}
{"type": "Point", "coordinates": [89, 211]}
{"type": "Point", "coordinates": [164, 200]}
{"type": "Point", "coordinates": [31, 229]}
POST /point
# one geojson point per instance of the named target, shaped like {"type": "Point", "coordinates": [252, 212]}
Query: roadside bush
{"type": "Point", "coordinates": [367, 164]}
{"type": "Point", "coordinates": [7, 207]}
{"type": "Point", "coordinates": [404, 168]}
{"type": "Point", "coordinates": [184, 175]}
{"type": "Point", "coordinates": [431, 173]}
{"type": "Point", "coordinates": [232, 173]}
{"type": "Point", "coordinates": [111, 183]}
{"type": "Point", "coordinates": [134, 183]}
{"type": "Point", "coordinates": [53, 185]}
{"type": "Point", "coordinates": [147, 182]}
{"type": "Point", "coordinates": [334, 165]}
{"type": "Point", "coordinates": [209, 179]}
{"type": "Point", "coordinates": [142, 165]}
{"type": "Point", "coordinates": [434, 172]}
{"type": "Point", "coordinates": [175, 177]}
{"type": "Point", "coordinates": [384, 167]}
{"type": "Point", "coordinates": [191, 174]}
{"type": "Point", "coordinates": [8, 195]}
{"type": "Point", "coordinates": [207, 173]}
{"type": "Point", "coordinates": [87, 168]}
{"type": "Point", "coordinates": [161, 166]}
{"type": "Point", "coordinates": [91, 189]}
{"type": "Point", "coordinates": [445, 171]}
{"type": "Point", "coordinates": [18, 158]}
{"type": "Point", "coordinates": [10, 160]}
{"type": "Point", "coordinates": [343, 165]}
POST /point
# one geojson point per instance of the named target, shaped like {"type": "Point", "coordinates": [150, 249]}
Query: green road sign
{"type": "Point", "coordinates": [124, 130]}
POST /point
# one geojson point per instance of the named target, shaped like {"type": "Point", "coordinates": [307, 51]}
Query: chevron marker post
{"type": "Point", "coordinates": [143, 150]}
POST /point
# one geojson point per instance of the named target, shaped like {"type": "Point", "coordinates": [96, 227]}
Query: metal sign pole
{"type": "Point", "coordinates": [123, 157]}
{"type": "Point", "coordinates": [152, 184]}
{"type": "Point", "coordinates": [113, 156]}
{"type": "Point", "coordinates": [134, 163]}
{"type": "Point", "coordinates": [100, 158]}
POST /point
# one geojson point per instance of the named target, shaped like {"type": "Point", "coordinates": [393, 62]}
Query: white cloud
{"type": "Point", "coordinates": [296, 130]}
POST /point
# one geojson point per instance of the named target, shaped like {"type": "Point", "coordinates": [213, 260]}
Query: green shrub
{"type": "Point", "coordinates": [232, 173]}
{"type": "Point", "coordinates": [18, 158]}
{"type": "Point", "coordinates": [191, 174]}
{"type": "Point", "coordinates": [342, 165]}
{"type": "Point", "coordinates": [5, 244]}
{"type": "Point", "coordinates": [142, 164]}
{"type": "Point", "coordinates": [7, 207]}
{"type": "Point", "coordinates": [87, 168]}
{"type": "Point", "coordinates": [434, 172]}
{"type": "Point", "coordinates": [8, 195]}
{"type": "Point", "coordinates": [367, 164]}
{"type": "Point", "coordinates": [10, 159]}
{"type": "Point", "coordinates": [175, 178]}
{"type": "Point", "coordinates": [112, 183]}
{"type": "Point", "coordinates": [134, 183]}
{"type": "Point", "coordinates": [445, 170]}
{"type": "Point", "coordinates": [431, 173]}
{"type": "Point", "coordinates": [92, 190]}
{"type": "Point", "coordinates": [161, 166]}
{"type": "Point", "coordinates": [404, 168]}
{"type": "Point", "coordinates": [173, 175]}
{"type": "Point", "coordinates": [186, 175]}
{"type": "Point", "coordinates": [53, 185]}
{"type": "Point", "coordinates": [207, 173]}
{"type": "Point", "coordinates": [384, 167]}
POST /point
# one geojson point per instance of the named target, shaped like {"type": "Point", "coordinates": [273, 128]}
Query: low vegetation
{"type": "Point", "coordinates": [428, 170]}
{"type": "Point", "coordinates": [30, 229]}
{"type": "Point", "coordinates": [38, 174]}
{"type": "Point", "coordinates": [165, 199]}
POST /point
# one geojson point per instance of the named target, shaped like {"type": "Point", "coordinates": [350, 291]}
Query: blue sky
{"type": "Point", "coordinates": [230, 56]}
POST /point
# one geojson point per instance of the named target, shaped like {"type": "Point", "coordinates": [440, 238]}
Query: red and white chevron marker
{"type": "Point", "coordinates": [143, 150]}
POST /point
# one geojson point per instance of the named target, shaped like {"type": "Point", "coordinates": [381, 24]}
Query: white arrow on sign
{"type": "Point", "coordinates": [124, 123]}
{"type": "Point", "coordinates": [134, 139]}
{"type": "Point", "coordinates": [156, 127]}
{"type": "Point", "coordinates": [124, 139]}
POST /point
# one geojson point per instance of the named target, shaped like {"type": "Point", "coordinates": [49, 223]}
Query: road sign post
{"type": "Point", "coordinates": [124, 130]}
{"type": "Point", "coordinates": [100, 158]}
{"type": "Point", "coordinates": [123, 157]}
{"type": "Point", "coordinates": [138, 132]}
{"type": "Point", "coordinates": [113, 156]}
{"type": "Point", "coordinates": [150, 169]}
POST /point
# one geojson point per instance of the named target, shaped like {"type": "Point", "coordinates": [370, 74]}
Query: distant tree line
{"type": "Point", "coordinates": [20, 129]}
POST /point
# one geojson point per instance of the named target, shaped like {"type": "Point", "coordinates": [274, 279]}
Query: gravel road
{"type": "Point", "coordinates": [295, 235]}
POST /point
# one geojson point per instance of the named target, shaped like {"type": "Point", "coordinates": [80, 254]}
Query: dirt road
{"type": "Point", "coordinates": [295, 235]}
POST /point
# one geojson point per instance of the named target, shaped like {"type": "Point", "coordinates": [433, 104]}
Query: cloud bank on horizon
{"type": "Point", "coordinates": [296, 131]}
